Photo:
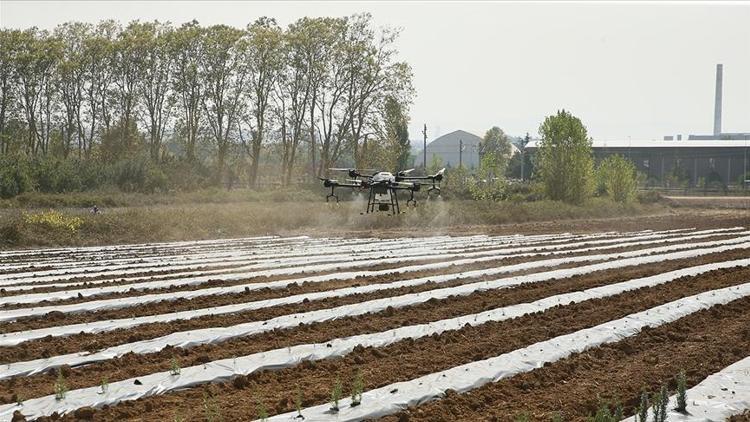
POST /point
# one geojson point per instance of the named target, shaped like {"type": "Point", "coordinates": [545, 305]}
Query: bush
{"type": "Point", "coordinates": [616, 177]}
{"type": "Point", "coordinates": [564, 161]}
{"type": "Point", "coordinates": [138, 175]}
{"type": "Point", "coordinates": [54, 175]}
{"type": "Point", "coordinates": [15, 177]}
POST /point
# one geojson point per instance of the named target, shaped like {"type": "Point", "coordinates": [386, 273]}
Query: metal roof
{"type": "Point", "coordinates": [714, 143]}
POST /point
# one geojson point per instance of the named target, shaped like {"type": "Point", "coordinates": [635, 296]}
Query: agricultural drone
{"type": "Point", "coordinates": [383, 187]}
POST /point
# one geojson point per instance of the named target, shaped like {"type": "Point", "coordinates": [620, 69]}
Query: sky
{"type": "Point", "coordinates": [628, 70]}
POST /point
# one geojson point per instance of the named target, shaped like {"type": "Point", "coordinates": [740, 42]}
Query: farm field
{"type": "Point", "coordinates": [534, 324]}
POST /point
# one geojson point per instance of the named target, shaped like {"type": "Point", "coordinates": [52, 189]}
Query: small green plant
{"type": "Point", "coordinates": [336, 395]}
{"type": "Point", "coordinates": [60, 387]}
{"type": "Point", "coordinates": [655, 407]}
{"type": "Point", "coordinates": [681, 392]}
{"type": "Point", "coordinates": [522, 417]}
{"type": "Point", "coordinates": [619, 413]}
{"type": "Point", "coordinates": [211, 409]}
{"type": "Point", "coordinates": [602, 414]}
{"type": "Point", "coordinates": [663, 403]}
{"type": "Point", "coordinates": [262, 412]}
{"type": "Point", "coordinates": [174, 367]}
{"type": "Point", "coordinates": [298, 403]}
{"type": "Point", "coordinates": [557, 417]}
{"type": "Point", "coordinates": [642, 413]}
{"type": "Point", "coordinates": [104, 385]}
{"type": "Point", "coordinates": [19, 400]}
{"type": "Point", "coordinates": [659, 404]}
{"type": "Point", "coordinates": [358, 387]}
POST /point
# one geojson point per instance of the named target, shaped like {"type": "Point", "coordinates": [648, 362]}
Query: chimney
{"type": "Point", "coordinates": [717, 101]}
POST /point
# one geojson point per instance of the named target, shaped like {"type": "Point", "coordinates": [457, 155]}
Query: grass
{"type": "Point", "coordinates": [162, 220]}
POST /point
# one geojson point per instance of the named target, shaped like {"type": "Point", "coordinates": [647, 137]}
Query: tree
{"type": "Point", "coordinates": [265, 63]}
{"type": "Point", "coordinates": [294, 95]}
{"type": "Point", "coordinates": [35, 68]}
{"type": "Point", "coordinates": [187, 85]}
{"type": "Point", "coordinates": [71, 81]}
{"type": "Point", "coordinates": [564, 161]}
{"type": "Point", "coordinates": [397, 131]}
{"type": "Point", "coordinates": [8, 80]}
{"type": "Point", "coordinates": [494, 153]}
{"type": "Point", "coordinates": [223, 73]}
{"type": "Point", "coordinates": [617, 178]}
{"type": "Point", "coordinates": [154, 60]}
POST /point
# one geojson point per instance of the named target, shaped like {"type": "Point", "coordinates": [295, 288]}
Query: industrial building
{"type": "Point", "coordinates": [453, 149]}
{"type": "Point", "coordinates": [716, 160]}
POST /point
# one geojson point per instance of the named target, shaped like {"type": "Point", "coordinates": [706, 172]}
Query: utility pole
{"type": "Point", "coordinates": [460, 152]}
{"type": "Point", "coordinates": [424, 150]}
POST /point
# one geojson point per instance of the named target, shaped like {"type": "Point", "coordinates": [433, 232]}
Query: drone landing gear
{"type": "Point", "coordinates": [332, 195]}
{"type": "Point", "coordinates": [435, 189]}
{"type": "Point", "coordinates": [411, 199]}
{"type": "Point", "coordinates": [391, 205]}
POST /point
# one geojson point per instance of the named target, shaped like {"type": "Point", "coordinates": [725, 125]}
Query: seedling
{"type": "Point", "coordinates": [659, 405]}
{"type": "Point", "coordinates": [656, 407]}
{"type": "Point", "coordinates": [557, 417]}
{"type": "Point", "coordinates": [262, 412]}
{"type": "Point", "coordinates": [211, 409]}
{"type": "Point", "coordinates": [298, 403]}
{"type": "Point", "coordinates": [681, 392]}
{"type": "Point", "coordinates": [522, 417]}
{"type": "Point", "coordinates": [619, 413]}
{"type": "Point", "coordinates": [358, 387]}
{"type": "Point", "coordinates": [174, 367]}
{"type": "Point", "coordinates": [602, 414]}
{"type": "Point", "coordinates": [664, 402]}
{"type": "Point", "coordinates": [104, 385]}
{"type": "Point", "coordinates": [60, 387]}
{"type": "Point", "coordinates": [336, 395]}
{"type": "Point", "coordinates": [643, 408]}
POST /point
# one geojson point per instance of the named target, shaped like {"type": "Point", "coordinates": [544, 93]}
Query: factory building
{"type": "Point", "coordinates": [716, 160]}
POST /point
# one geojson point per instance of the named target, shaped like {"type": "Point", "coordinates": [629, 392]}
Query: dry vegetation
{"type": "Point", "coordinates": [216, 213]}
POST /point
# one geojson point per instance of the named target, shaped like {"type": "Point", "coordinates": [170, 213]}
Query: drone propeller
{"type": "Point", "coordinates": [406, 171]}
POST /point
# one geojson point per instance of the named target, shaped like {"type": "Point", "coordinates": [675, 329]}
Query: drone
{"type": "Point", "coordinates": [383, 187]}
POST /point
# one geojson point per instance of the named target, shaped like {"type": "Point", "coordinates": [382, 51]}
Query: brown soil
{"type": "Point", "coordinates": [49, 346]}
{"type": "Point", "coordinates": [484, 341]}
{"type": "Point", "coordinates": [293, 288]}
{"type": "Point", "coordinates": [744, 417]}
{"type": "Point", "coordinates": [700, 344]}
{"type": "Point", "coordinates": [154, 275]}
{"type": "Point", "coordinates": [409, 359]}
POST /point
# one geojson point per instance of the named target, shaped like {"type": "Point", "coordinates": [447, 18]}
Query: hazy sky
{"type": "Point", "coordinates": [640, 70]}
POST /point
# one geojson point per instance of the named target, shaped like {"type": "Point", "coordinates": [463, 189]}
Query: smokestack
{"type": "Point", "coordinates": [717, 101]}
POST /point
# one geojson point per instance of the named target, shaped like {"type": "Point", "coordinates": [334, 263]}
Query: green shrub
{"type": "Point", "coordinates": [564, 161]}
{"type": "Point", "coordinates": [15, 177]}
{"type": "Point", "coordinates": [617, 178]}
